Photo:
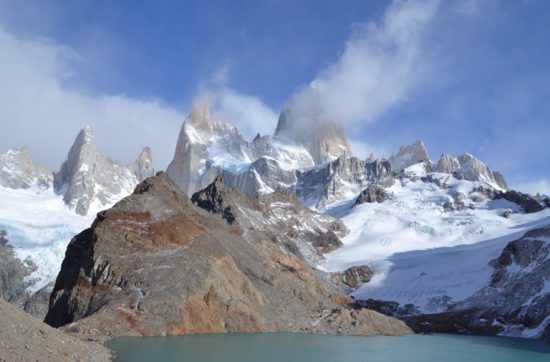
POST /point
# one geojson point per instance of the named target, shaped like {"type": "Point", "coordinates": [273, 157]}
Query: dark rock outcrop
{"type": "Point", "coordinates": [353, 277]}
{"type": "Point", "coordinates": [373, 193]}
{"type": "Point", "coordinates": [528, 203]}
{"type": "Point", "coordinates": [155, 264]}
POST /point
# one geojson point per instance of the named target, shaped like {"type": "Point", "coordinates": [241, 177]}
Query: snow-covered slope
{"type": "Point", "coordinates": [39, 225]}
{"type": "Point", "coordinates": [431, 242]}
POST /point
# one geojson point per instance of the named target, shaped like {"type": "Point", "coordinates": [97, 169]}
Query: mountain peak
{"type": "Point", "coordinates": [470, 168]}
{"type": "Point", "coordinates": [409, 155]}
{"type": "Point", "coordinates": [142, 167]}
{"type": "Point", "coordinates": [324, 138]}
{"type": "Point", "coordinates": [19, 171]}
{"type": "Point", "coordinates": [200, 115]}
{"type": "Point", "coordinates": [87, 177]}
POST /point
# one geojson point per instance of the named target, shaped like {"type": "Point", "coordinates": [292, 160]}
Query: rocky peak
{"type": "Point", "coordinates": [338, 179]}
{"type": "Point", "coordinates": [19, 171]}
{"type": "Point", "coordinates": [470, 168]}
{"type": "Point", "coordinates": [189, 168]}
{"type": "Point", "coordinates": [200, 115]}
{"type": "Point", "coordinates": [88, 178]}
{"type": "Point", "coordinates": [325, 139]}
{"type": "Point", "coordinates": [142, 167]}
{"type": "Point", "coordinates": [409, 155]}
{"type": "Point", "coordinates": [373, 193]}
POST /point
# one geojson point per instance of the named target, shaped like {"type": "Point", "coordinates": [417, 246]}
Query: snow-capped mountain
{"type": "Point", "coordinates": [423, 236]}
{"type": "Point", "coordinates": [207, 148]}
{"type": "Point", "coordinates": [19, 171]}
{"type": "Point", "coordinates": [407, 214]}
{"type": "Point", "coordinates": [409, 155]}
{"type": "Point", "coordinates": [89, 180]}
{"type": "Point", "coordinates": [40, 211]}
{"type": "Point", "coordinates": [324, 139]}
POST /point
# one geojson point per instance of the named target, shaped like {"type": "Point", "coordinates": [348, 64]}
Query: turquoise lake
{"type": "Point", "coordinates": [269, 347]}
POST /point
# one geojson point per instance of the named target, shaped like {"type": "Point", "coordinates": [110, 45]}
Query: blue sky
{"type": "Point", "coordinates": [461, 75]}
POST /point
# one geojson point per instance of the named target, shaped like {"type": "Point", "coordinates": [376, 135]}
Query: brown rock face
{"type": "Point", "coordinates": [155, 264]}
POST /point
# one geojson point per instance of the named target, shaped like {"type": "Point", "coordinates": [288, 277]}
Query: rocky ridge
{"type": "Point", "coordinates": [468, 167]}
{"type": "Point", "coordinates": [160, 265]}
{"type": "Point", "coordinates": [19, 171]}
{"type": "Point", "coordinates": [88, 179]}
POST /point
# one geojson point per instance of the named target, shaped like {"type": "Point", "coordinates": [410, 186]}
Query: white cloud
{"type": "Point", "coordinates": [541, 186]}
{"type": "Point", "coordinates": [39, 111]}
{"type": "Point", "coordinates": [248, 113]}
{"type": "Point", "coordinates": [378, 68]}
{"type": "Point", "coordinates": [363, 149]}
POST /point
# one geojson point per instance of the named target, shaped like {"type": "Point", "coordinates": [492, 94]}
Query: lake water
{"type": "Point", "coordinates": [319, 348]}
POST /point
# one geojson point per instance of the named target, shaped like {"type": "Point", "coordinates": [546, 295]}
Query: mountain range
{"type": "Point", "coordinates": [285, 232]}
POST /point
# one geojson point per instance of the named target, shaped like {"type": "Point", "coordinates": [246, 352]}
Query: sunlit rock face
{"type": "Point", "coordinates": [409, 155]}
{"type": "Point", "coordinates": [90, 180]}
{"type": "Point", "coordinates": [470, 168]}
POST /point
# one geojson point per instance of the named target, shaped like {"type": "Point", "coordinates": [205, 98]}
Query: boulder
{"type": "Point", "coordinates": [373, 193]}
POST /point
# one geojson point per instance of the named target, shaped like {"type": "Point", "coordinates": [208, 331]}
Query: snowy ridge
{"type": "Point", "coordinates": [423, 251]}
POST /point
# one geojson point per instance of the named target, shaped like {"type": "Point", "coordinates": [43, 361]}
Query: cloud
{"type": "Point", "coordinates": [541, 186]}
{"type": "Point", "coordinates": [363, 149]}
{"type": "Point", "coordinates": [379, 67]}
{"type": "Point", "coordinates": [38, 110]}
{"type": "Point", "coordinates": [248, 113]}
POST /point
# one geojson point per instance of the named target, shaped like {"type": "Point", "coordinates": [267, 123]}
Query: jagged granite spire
{"type": "Point", "coordinates": [88, 179]}
{"type": "Point", "coordinates": [409, 155]}
{"type": "Point", "coordinates": [191, 149]}
{"type": "Point", "coordinates": [19, 171]}
{"type": "Point", "coordinates": [142, 167]}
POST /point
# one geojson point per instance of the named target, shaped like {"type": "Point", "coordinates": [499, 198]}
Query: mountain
{"type": "Point", "coordinates": [41, 211]}
{"type": "Point", "coordinates": [89, 180]}
{"type": "Point", "coordinates": [433, 243]}
{"type": "Point", "coordinates": [470, 168]}
{"type": "Point", "coordinates": [157, 264]}
{"type": "Point", "coordinates": [207, 148]}
{"type": "Point", "coordinates": [339, 180]}
{"type": "Point", "coordinates": [409, 155]}
{"type": "Point", "coordinates": [19, 171]}
{"type": "Point", "coordinates": [324, 138]}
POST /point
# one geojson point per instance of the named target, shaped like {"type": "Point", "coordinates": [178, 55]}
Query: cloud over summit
{"type": "Point", "coordinates": [380, 64]}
